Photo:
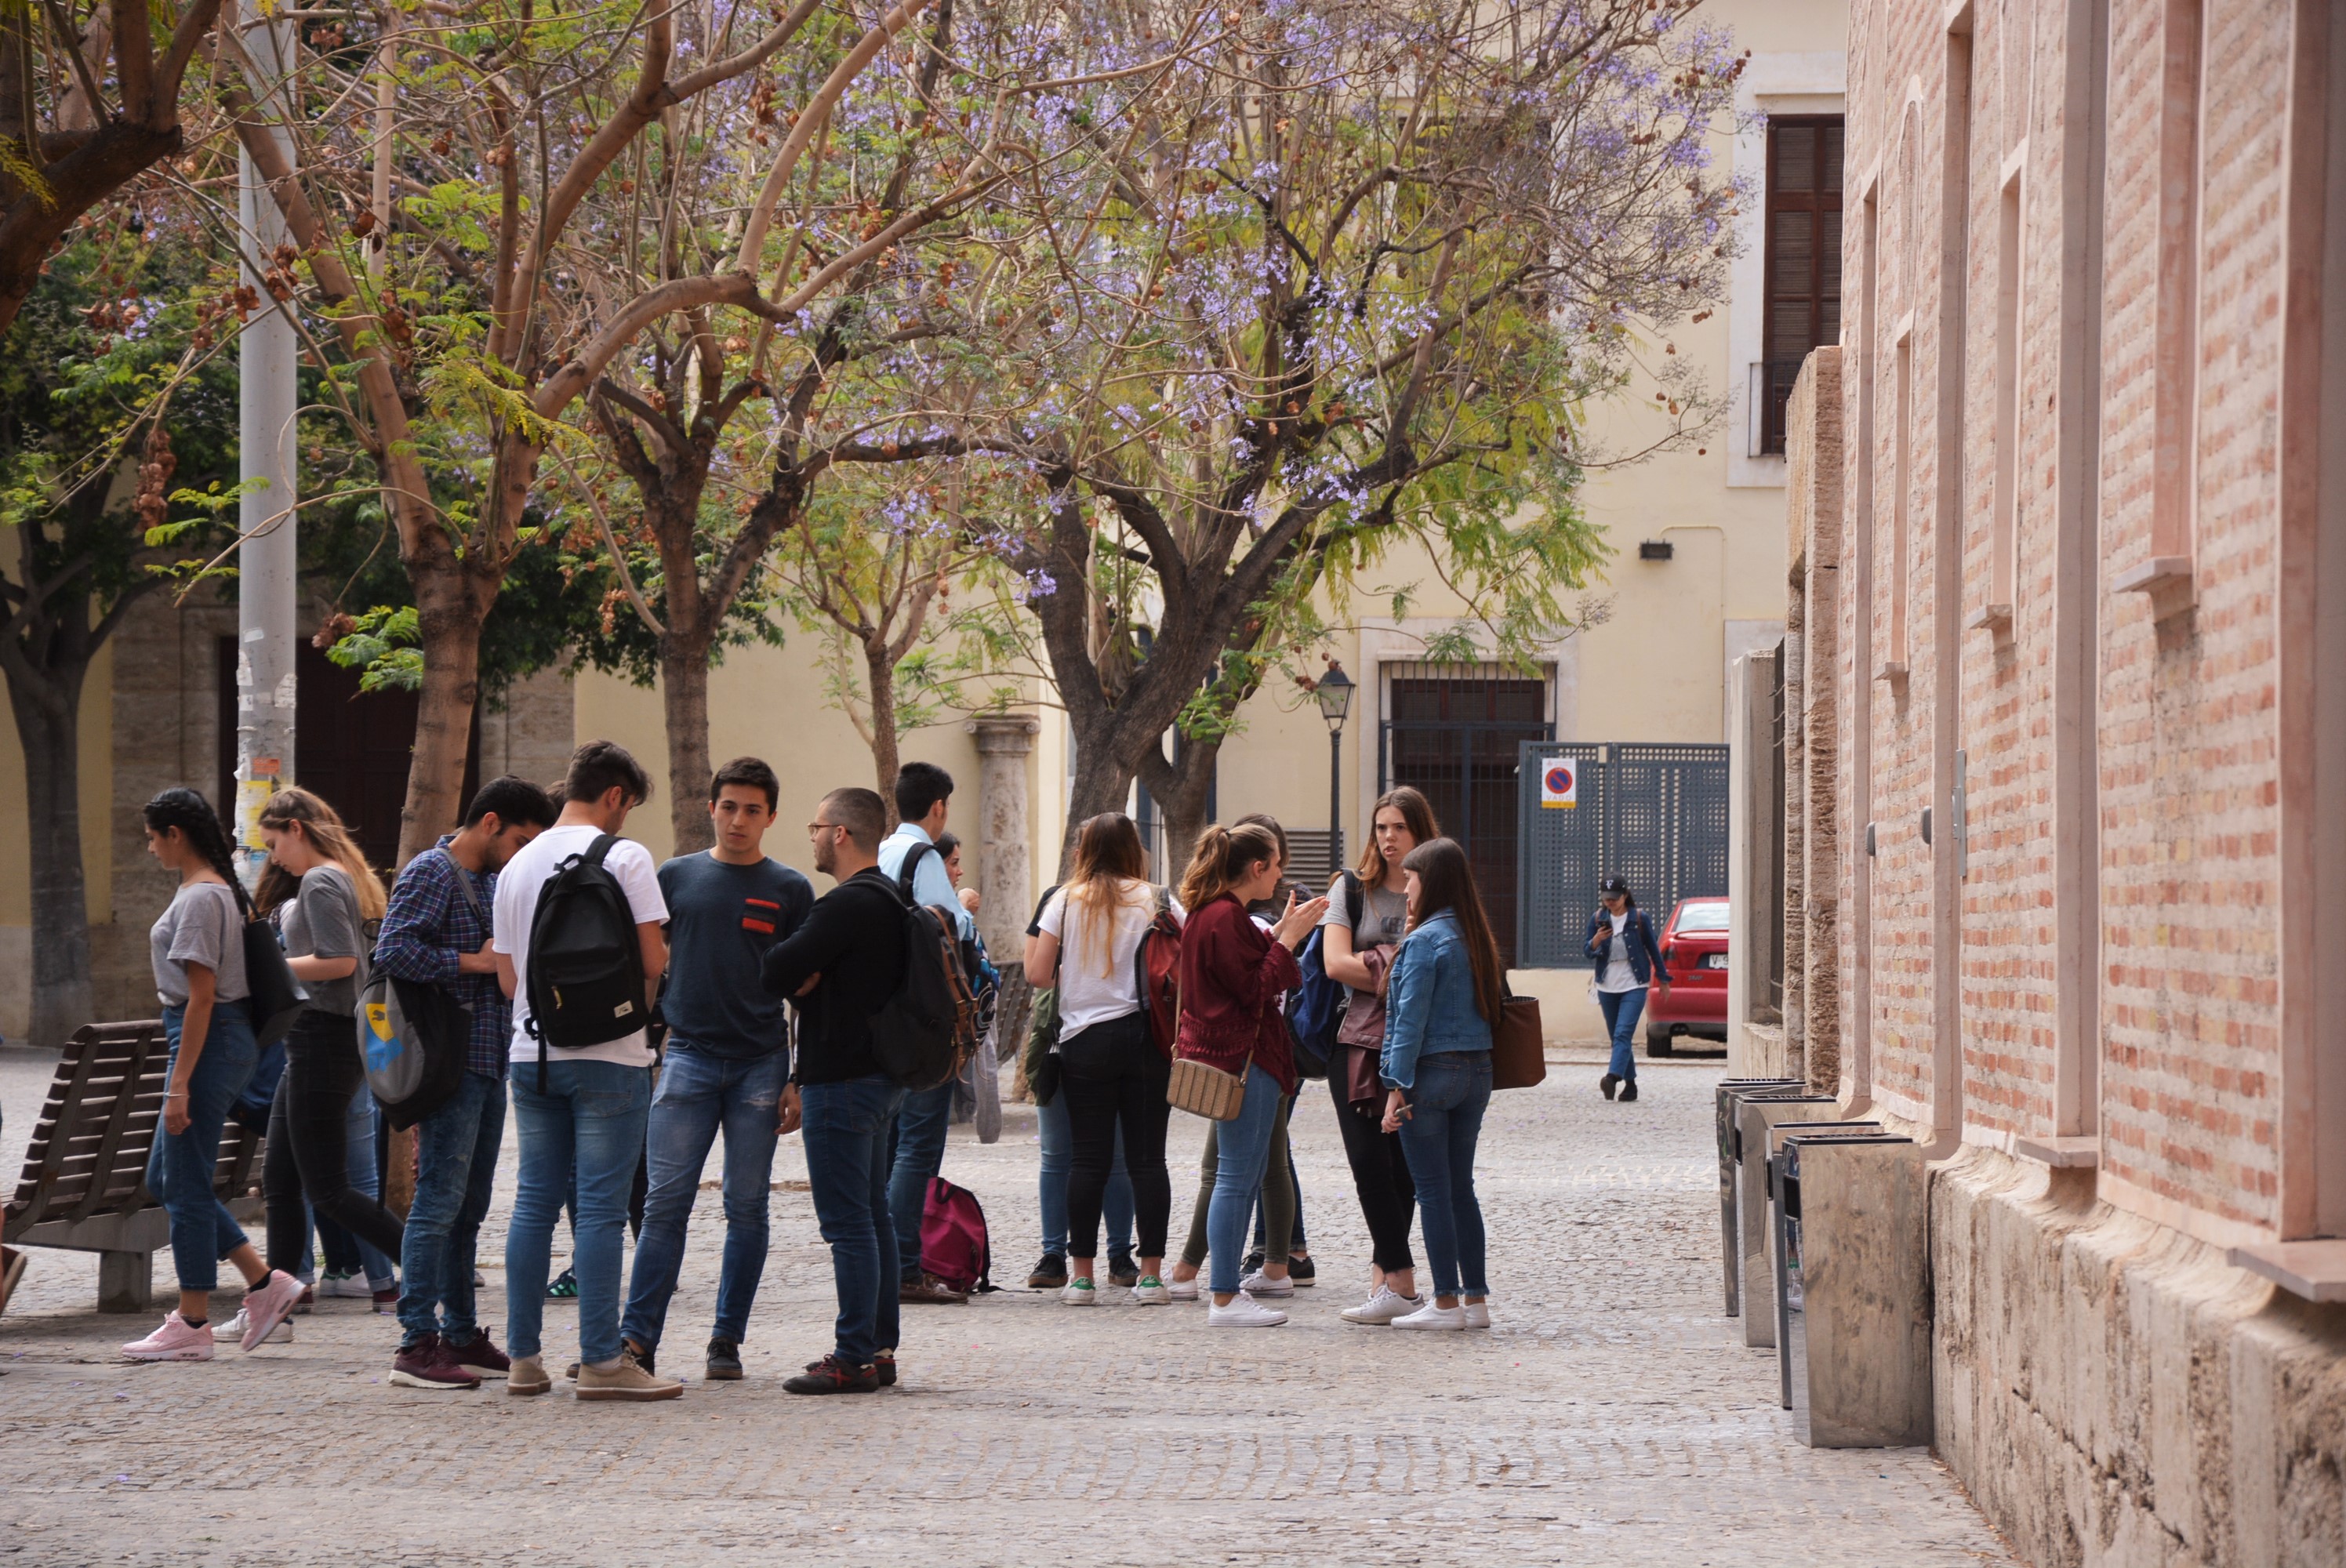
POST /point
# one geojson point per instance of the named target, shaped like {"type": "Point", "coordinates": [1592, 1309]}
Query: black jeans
{"type": "Point", "coordinates": [1112, 1074]}
{"type": "Point", "coordinates": [308, 1151]}
{"type": "Point", "coordinates": [1380, 1175]}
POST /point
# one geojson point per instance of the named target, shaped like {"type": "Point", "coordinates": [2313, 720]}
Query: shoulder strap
{"type": "Point", "coordinates": [912, 859]}
{"type": "Point", "coordinates": [1355, 895]}
{"type": "Point", "coordinates": [464, 887]}
{"type": "Point", "coordinates": [599, 849]}
{"type": "Point", "coordinates": [1164, 900]}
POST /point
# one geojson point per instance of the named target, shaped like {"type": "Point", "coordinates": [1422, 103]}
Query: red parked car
{"type": "Point", "coordinates": [1694, 955]}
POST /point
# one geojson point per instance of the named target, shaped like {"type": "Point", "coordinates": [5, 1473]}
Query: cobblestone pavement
{"type": "Point", "coordinates": [1611, 1417]}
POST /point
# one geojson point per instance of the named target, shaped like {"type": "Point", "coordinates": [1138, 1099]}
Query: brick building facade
{"type": "Point", "coordinates": [2074, 639]}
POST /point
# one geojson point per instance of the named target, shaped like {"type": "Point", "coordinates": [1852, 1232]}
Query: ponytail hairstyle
{"type": "Point", "coordinates": [1109, 872]}
{"type": "Point", "coordinates": [1221, 860]}
{"type": "Point", "coordinates": [182, 808]}
{"type": "Point", "coordinates": [1445, 880]}
{"type": "Point", "coordinates": [1416, 813]}
{"type": "Point", "coordinates": [324, 828]}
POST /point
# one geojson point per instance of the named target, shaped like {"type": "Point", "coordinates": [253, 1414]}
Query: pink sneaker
{"type": "Point", "coordinates": [267, 1304]}
{"type": "Point", "coordinates": [173, 1341]}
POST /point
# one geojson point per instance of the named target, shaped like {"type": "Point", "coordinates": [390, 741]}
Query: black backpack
{"type": "Point", "coordinates": [926, 1033]}
{"type": "Point", "coordinates": [415, 1037]}
{"type": "Point", "coordinates": [585, 976]}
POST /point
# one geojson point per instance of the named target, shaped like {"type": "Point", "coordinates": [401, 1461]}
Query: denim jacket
{"type": "Point", "coordinates": [1636, 936]}
{"type": "Point", "coordinates": [1430, 1001]}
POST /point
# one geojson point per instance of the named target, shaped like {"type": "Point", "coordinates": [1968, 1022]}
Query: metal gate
{"type": "Point", "coordinates": [1653, 814]}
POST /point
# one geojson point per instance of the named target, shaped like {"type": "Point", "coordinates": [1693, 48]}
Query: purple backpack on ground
{"type": "Point", "coordinates": [953, 1244]}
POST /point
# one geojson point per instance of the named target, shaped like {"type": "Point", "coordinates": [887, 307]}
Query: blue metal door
{"type": "Point", "coordinates": [1653, 814]}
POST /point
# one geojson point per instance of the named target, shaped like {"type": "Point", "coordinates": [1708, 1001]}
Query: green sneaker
{"type": "Point", "coordinates": [1151, 1292]}
{"type": "Point", "coordinates": [1079, 1293]}
{"type": "Point", "coordinates": [564, 1287]}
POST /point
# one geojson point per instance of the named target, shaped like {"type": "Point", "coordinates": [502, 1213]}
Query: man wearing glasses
{"type": "Point", "coordinates": [840, 967]}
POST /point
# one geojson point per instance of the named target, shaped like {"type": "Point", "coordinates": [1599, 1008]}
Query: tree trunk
{"type": "Point", "coordinates": [880, 675]}
{"type": "Point", "coordinates": [684, 702]}
{"type": "Point", "coordinates": [1180, 790]}
{"type": "Point", "coordinates": [50, 734]}
{"type": "Point", "coordinates": [451, 628]}
{"type": "Point", "coordinates": [1102, 783]}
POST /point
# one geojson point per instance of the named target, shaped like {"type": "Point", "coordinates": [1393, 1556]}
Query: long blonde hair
{"type": "Point", "coordinates": [1220, 861]}
{"type": "Point", "coordinates": [1416, 814]}
{"type": "Point", "coordinates": [330, 837]}
{"type": "Point", "coordinates": [1108, 861]}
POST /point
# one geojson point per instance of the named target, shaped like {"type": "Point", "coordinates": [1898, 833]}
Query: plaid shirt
{"type": "Point", "coordinates": [427, 927]}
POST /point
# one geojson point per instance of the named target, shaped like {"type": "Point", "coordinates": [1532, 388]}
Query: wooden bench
{"type": "Point", "coordinates": [84, 1181]}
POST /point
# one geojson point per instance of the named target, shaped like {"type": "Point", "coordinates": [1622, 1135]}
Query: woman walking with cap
{"type": "Point", "coordinates": [1621, 940]}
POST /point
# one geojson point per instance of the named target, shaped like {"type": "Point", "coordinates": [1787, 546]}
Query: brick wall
{"type": "Point", "coordinates": [2098, 239]}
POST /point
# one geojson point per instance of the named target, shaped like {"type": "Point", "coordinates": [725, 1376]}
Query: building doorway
{"type": "Point", "coordinates": [1455, 733]}
{"type": "Point", "coordinates": [351, 749]}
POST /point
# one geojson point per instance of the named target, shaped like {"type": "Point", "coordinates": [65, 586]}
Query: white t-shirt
{"type": "Point", "coordinates": [1096, 987]}
{"type": "Point", "coordinates": [1615, 974]}
{"type": "Point", "coordinates": [517, 888]}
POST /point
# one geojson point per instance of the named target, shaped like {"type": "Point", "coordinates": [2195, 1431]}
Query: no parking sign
{"type": "Point", "coordinates": [1559, 784]}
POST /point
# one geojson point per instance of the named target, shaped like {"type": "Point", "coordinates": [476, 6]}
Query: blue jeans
{"type": "Point", "coordinates": [698, 1094]}
{"type": "Point", "coordinates": [456, 1177]}
{"type": "Point", "coordinates": [1621, 1010]}
{"type": "Point", "coordinates": [916, 1151]}
{"type": "Point", "coordinates": [846, 1131]}
{"type": "Point", "coordinates": [1446, 1106]}
{"type": "Point", "coordinates": [590, 1116]}
{"type": "Point", "coordinates": [1243, 1143]}
{"type": "Point", "coordinates": [1059, 1153]}
{"type": "Point", "coordinates": [182, 1166]}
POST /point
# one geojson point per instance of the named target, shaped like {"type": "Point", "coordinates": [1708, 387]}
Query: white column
{"type": "Point", "coordinates": [265, 435]}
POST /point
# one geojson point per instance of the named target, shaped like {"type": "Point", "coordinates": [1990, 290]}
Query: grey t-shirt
{"type": "Point", "coordinates": [323, 922]}
{"type": "Point", "coordinates": [202, 925]}
{"type": "Point", "coordinates": [1385, 914]}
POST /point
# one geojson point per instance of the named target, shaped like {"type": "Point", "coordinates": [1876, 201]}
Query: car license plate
{"type": "Point", "coordinates": [1713, 961]}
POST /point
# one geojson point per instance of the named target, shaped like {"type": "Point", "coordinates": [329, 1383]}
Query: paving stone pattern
{"type": "Point", "coordinates": [1611, 1417]}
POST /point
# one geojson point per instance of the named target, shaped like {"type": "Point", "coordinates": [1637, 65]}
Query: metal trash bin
{"type": "Point", "coordinates": [1772, 1223]}
{"type": "Point", "coordinates": [1754, 1115]}
{"type": "Point", "coordinates": [1852, 1308]}
{"type": "Point", "coordinates": [1730, 1093]}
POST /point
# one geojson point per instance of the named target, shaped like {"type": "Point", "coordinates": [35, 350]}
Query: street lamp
{"type": "Point", "coordinates": [1334, 692]}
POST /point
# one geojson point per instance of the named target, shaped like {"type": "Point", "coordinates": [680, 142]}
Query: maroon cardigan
{"type": "Point", "coordinates": [1232, 972]}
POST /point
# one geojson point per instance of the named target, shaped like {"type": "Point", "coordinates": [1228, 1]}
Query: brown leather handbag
{"type": "Point", "coordinates": [1207, 1092]}
{"type": "Point", "coordinates": [1518, 1057]}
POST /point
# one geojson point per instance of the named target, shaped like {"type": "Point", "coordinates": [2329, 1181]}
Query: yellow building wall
{"type": "Point", "coordinates": [770, 703]}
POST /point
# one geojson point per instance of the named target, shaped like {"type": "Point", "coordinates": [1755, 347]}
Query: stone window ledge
{"type": "Point", "coordinates": [2061, 1153]}
{"type": "Point", "coordinates": [2313, 1269]}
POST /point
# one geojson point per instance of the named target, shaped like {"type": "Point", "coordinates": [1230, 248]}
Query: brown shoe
{"type": "Point", "coordinates": [928, 1287]}
{"type": "Point", "coordinates": [628, 1381]}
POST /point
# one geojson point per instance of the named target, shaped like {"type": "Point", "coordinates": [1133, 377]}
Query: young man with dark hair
{"type": "Point", "coordinates": [726, 1064]}
{"type": "Point", "coordinates": [841, 966]}
{"type": "Point", "coordinates": [917, 1145]}
{"type": "Point", "coordinates": [581, 1111]}
{"type": "Point", "coordinates": [436, 932]}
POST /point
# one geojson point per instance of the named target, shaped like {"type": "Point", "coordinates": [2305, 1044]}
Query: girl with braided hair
{"type": "Point", "coordinates": [198, 952]}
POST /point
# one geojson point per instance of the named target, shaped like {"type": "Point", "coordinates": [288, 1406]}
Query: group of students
{"type": "Point", "coordinates": [1405, 934]}
{"type": "Point", "coordinates": [767, 995]}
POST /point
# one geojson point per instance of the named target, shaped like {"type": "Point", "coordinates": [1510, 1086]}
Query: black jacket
{"type": "Point", "coordinates": [854, 938]}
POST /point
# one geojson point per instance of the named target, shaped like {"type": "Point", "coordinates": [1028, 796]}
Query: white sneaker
{"type": "Point", "coordinates": [348, 1286]}
{"type": "Point", "coordinates": [1079, 1293]}
{"type": "Point", "coordinates": [1244, 1312]}
{"type": "Point", "coordinates": [1151, 1292]}
{"type": "Point", "coordinates": [1478, 1313]}
{"type": "Point", "coordinates": [235, 1327]}
{"type": "Point", "coordinates": [1181, 1289]}
{"type": "Point", "coordinates": [1433, 1317]}
{"type": "Point", "coordinates": [1382, 1308]}
{"type": "Point", "coordinates": [1262, 1284]}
